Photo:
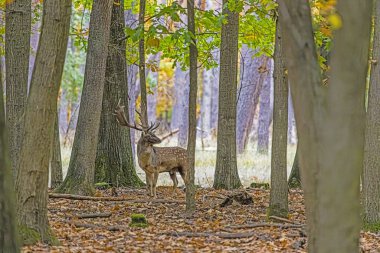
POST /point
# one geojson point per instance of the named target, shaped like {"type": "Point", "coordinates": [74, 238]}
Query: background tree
{"type": "Point", "coordinates": [190, 188]}
{"type": "Point", "coordinates": [294, 180]}
{"type": "Point", "coordinates": [17, 46]}
{"type": "Point", "coordinates": [330, 120]}
{"type": "Point", "coordinates": [371, 170]}
{"type": "Point", "coordinates": [8, 227]}
{"type": "Point", "coordinates": [226, 173]}
{"type": "Point", "coordinates": [114, 158]}
{"type": "Point", "coordinates": [144, 104]}
{"type": "Point", "coordinates": [81, 171]}
{"type": "Point", "coordinates": [32, 178]}
{"type": "Point", "coordinates": [278, 205]}
{"type": "Point", "coordinates": [56, 175]}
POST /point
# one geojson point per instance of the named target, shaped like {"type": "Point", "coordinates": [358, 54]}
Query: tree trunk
{"type": "Point", "coordinates": [265, 112]}
{"type": "Point", "coordinates": [278, 205]}
{"type": "Point", "coordinates": [56, 176]}
{"type": "Point", "coordinates": [17, 46]}
{"type": "Point", "coordinates": [248, 95]}
{"type": "Point", "coordinates": [143, 105]}
{"type": "Point", "coordinates": [190, 187]}
{"type": "Point", "coordinates": [330, 120]}
{"type": "Point", "coordinates": [81, 171]}
{"type": "Point", "coordinates": [371, 172]}
{"type": "Point", "coordinates": [132, 71]}
{"type": "Point", "coordinates": [294, 180]}
{"type": "Point", "coordinates": [226, 173]}
{"type": "Point", "coordinates": [32, 178]}
{"type": "Point", "coordinates": [114, 159]}
{"type": "Point", "coordinates": [8, 228]}
{"type": "Point", "coordinates": [205, 116]}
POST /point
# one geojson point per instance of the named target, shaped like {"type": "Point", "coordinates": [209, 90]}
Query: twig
{"type": "Point", "coordinates": [265, 224]}
{"type": "Point", "coordinates": [93, 215]}
{"type": "Point", "coordinates": [79, 197]}
{"type": "Point", "coordinates": [207, 234]}
{"type": "Point", "coordinates": [95, 226]}
{"type": "Point", "coordinates": [282, 219]}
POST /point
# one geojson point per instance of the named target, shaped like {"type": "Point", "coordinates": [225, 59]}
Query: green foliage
{"type": "Point", "coordinates": [372, 227]}
{"type": "Point", "coordinates": [72, 79]}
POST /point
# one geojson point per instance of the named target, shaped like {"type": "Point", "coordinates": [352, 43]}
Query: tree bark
{"type": "Point", "coordinates": [143, 105]}
{"type": "Point", "coordinates": [192, 136]}
{"type": "Point", "coordinates": [8, 227]}
{"type": "Point", "coordinates": [266, 110]}
{"type": "Point", "coordinates": [226, 173]}
{"type": "Point", "coordinates": [17, 46]}
{"type": "Point", "coordinates": [371, 172]}
{"type": "Point", "coordinates": [330, 120]}
{"type": "Point", "coordinates": [32, 178]}
{"type": "Point", "coordinates": [81, 171]}
{"type": "Point", "coordinates": [114, 158]}
{"type": "Point", "coordinates": [56, 176]}
{"type": "Point", "coordinates": [278, 205]}
{"type": "Point", "coordinates": [153, 85]}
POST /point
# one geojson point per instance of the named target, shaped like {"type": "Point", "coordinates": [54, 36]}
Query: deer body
{"type": "Point", "coordinates": [154, 160]}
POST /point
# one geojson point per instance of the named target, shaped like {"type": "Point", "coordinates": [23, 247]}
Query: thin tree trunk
{"type": "Point", "coordinates": [190, 187]}
{"type": "Point", "coordinates": [206, 103]}
{"type": "Point", "coordinates": [56, 176]}
{"type": "Point", "coordinates": [17, 46]}
{"type": "Point", "coordinates": [265, 112]}
{"type": "Point", "coordinates": [132, 71]}
{"type": "Point", "coordinates": [114, 159]}
{"type": "Point", "coordinates": [226, 173]}
{"type": "Point", "coordinates": [248, 94]}
{"type": "Point", "coordinates": [294, 180]}
{"type": "Point", "coordinates": [32, 179]}
{"type": "Point", "coordinates": [143, 105]}
{"type": "Point", "coordinates": [152, 98]}
{"type": "Point", "coordinates": [8, 227]}
{"type": "Point", "coordinates": [330, 125]}
{"type": "Point", "coordinates": [278, 205]}
{"type": "Point", "coordinates": [371, 172]}
{"type": "Point", "coordinates": [81, 171]}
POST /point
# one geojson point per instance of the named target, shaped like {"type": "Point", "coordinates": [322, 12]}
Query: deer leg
{"type": "Point", "coordinates": [183, 172]}
{"type": "Point", "coordinates": [173, 176]}
{"type": "Point", "coordinates": [149, 183]}
{"type": "Point", "coordinates": [155, 178]}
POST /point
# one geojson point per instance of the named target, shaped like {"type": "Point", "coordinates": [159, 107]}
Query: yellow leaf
{"type": "Point", "coordinates": [335, 20]}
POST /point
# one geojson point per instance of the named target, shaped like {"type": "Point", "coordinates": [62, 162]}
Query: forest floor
{"type": "Point", "coordinates": [234, 228]}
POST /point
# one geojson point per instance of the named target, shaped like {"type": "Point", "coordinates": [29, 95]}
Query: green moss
{"type": "Point", "coordinates": [76, 186]}
{"type": "Point", "coordinates": [372, 227]}
{"type": "Point", "coordinates": [276, 210]}
{"type": "Point", "coordinates": [29, 236]}
{"type": "Point", "coordinates": [260, 185]}
{"type": "Point", "coordinates": [294, 183]}
{"type": "Point", "coordinates": [138, 220]}
{"type": "Point", "coordinates": [102, 185]}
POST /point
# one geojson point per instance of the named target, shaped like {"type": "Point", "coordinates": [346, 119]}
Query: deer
{"type": "Point", "coordinates": [154, 160]}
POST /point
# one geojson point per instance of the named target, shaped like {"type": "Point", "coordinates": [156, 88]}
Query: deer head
{"type": "Point", "coordinates": [148, 135]}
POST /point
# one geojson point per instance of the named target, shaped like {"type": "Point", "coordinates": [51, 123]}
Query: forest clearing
{"type": "Point", "coordinates": [190, 126]}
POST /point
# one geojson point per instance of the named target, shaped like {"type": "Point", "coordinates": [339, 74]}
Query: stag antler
{"type": "Point", "coordinates": [122, 119]}
{"type": "Point", "coordinates": [152, 127]}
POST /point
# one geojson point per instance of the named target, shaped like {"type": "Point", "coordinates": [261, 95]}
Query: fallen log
{"type": "Point", "coordinates": [91, 198]}
{"type": "Point", "coordinates": [96, 226]}
{"type": "Point", "coordinates": [209, 234]}
{"type": "Point", "coordinates": [93, 215]}
{"type": "Point", "coordinates": [265, 224]}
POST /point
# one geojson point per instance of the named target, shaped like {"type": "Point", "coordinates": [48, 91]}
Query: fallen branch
{"type": "Point", "coordinates": [79, 197]}
{"type": "Point", "coordinates": [93, 215]}
{"type": "Point", "coordinates": [282, 219]}
{"type": "Point", "coordinates": [265, 224]}
{"type": "Point", "coordinates": [207, 234]}
{"type": "Point", "coordinates": [95, 226]}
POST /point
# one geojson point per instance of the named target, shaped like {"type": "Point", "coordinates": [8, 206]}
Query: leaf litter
{"type": "Point", "coordinates": [212, 228]}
